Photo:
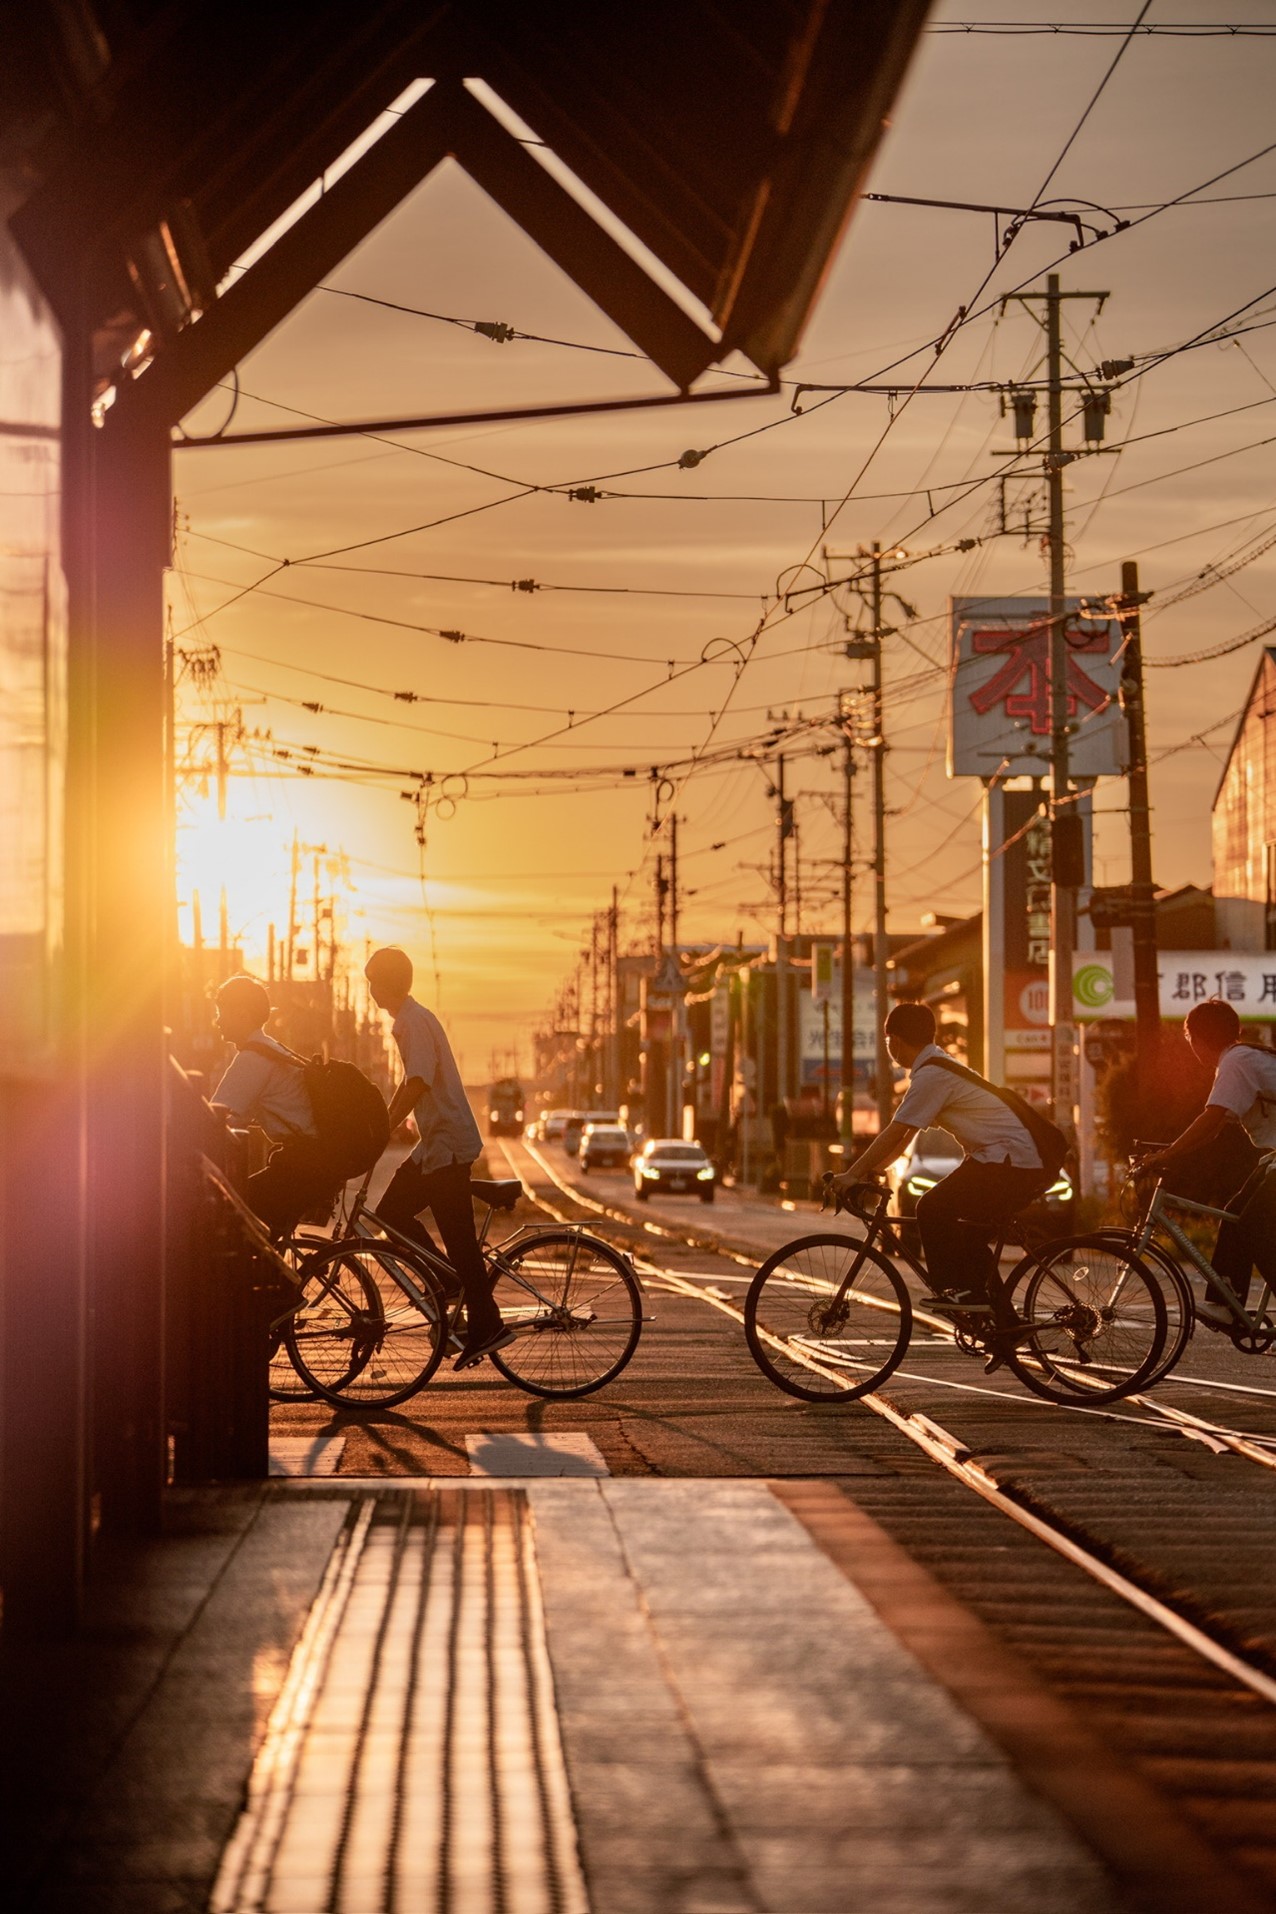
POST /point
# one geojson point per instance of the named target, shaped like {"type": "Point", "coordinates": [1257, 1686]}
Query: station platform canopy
{"type": "Point", "coordinates": [159, 148]}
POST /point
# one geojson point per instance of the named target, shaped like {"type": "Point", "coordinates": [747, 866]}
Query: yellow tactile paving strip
{"type": "Point", "coordinates": [413, 1758]}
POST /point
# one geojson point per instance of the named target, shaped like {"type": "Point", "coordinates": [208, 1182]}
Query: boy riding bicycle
{"type": "Point", "coordinates": [437, 1174]}
{"type": "Point", "coordinates": [1001, 1173]}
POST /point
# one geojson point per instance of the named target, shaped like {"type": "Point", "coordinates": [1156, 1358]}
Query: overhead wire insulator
{"type": "Point", "coordinates": [496, 330]}
{"type": "Point", "coordinates": [524, 584]}
{"type": "Point", "coordinates": [453, 637]}
{"type": "Point", "coordinates": [585, 494]}
{"type": "Point", "coordinates": [691, 458]}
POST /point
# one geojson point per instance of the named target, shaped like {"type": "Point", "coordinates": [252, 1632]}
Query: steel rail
{"type": "Point", "coordinates": [954, 1457]}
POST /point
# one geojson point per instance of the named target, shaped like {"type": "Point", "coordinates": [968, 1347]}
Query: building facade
{"type": "Point", "coordinates": [1245, 822]}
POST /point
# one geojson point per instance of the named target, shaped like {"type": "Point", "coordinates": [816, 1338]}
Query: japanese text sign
{"type": "Point", "coordinates": [999, 690]}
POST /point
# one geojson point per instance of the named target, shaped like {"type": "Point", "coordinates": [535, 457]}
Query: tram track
{"type": "Point", "coordinates": [1252, 1446]}
{"type": "Point", "coordinates": [953, 1454]}
{"type": "Point", "coordinates": [1105, 1561]}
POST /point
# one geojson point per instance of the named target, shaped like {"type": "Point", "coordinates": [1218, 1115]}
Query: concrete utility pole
{"type": "Point", "coordinates": [615, 1088]}
{"type": "Point", "coordinates": [290, 948]}
{"type": "Point", "coordinates": [848, 964]}
{"type": "Point", "coordinates": [784, 828]}
{"type": "Point", "coordinates": [882, 1060]}
{"type": "Point", "coordinates": [1147, 1005]}
{"type": "Point", "coordinates": [1065, 824]}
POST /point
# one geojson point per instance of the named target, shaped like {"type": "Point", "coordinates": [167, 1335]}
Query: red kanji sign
{"type": "Point", "coordinates": [1028, 661]}
{"type": "Point", "coordinates": [999, 678]}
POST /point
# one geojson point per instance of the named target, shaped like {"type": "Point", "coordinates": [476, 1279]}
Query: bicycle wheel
{"type": "Point", "coordinates": [1097, 1319]}
{"type": "Point", "coordinates": [827, 1318]}
{"type": "Point", "coordinates": [285, 1384]}
{"type": "Point", "coordinates": [381, 1352]}
{"type": "Point", "coordinates": [1176, 1292]}
{"type": "Point", "coordinates": [576, 1308]}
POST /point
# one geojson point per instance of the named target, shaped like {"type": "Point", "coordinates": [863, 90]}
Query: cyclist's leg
{"type": "Point", "coordinates": [1246, 1237]}
{"type": "Point", "coordinates": [404, 1199]}
{"type": "Point", "coordinates": [448, 1195]}
{"type": "Point", "coordinates": [294, 1180]}
{"type": "Point", "coordinates": [958, 1217]}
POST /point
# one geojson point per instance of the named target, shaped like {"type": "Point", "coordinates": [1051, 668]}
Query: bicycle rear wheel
{"type": "Point", "coordinates": [575, 1307]}
{"type": "Point", "coordinates": [380, 1353]}
{"type": "Point", "coordinates": [1097, 1319]}
{"type": "Point", "coordinates": [827, 1318]}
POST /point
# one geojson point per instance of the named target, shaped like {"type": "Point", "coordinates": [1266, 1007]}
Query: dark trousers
{"type": "Point", "coordinates": [1251, 1237]}
{"type": "Point", "coordinates": [446, 1193]}
{"type": "Point", "coordinates": [957, 1218]}
{"type": "Point", "coordinates": [297, 1178]}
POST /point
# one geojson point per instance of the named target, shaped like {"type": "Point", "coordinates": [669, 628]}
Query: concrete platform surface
{"type": "Point", "coordinates": [629, 1696]}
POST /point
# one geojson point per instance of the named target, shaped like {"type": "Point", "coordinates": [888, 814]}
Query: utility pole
{"type": "Point", "coordinates": [677, 1040]}
{"type": "Point", "coordinates": [784, 829]}
{"type": "Point", "coordinates": [289, 958]}
{"type": "Point", "coordinates": [848, 964]}
{"type": "Point", "coordinates": [1147, 1005]}
{"type": "Point", "coordinates": [1066, 847]}
{"type": "Point", "coordinates": [882, 1060]}
{"type": "Point", "coordinates": [614, 1051]}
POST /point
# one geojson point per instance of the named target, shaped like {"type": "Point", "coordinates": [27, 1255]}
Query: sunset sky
{"type": "Point", "coordinates": [682, 566]}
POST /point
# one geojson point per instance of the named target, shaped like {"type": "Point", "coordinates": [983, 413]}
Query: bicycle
{"type": "Point", "coordinates": [829, 1317]}
{"type": "Point", "coordinates": [1253, 1329]}
{"type": "Point", "coordinates": [550, 1285]}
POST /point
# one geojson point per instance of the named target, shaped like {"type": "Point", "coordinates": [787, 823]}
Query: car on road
{"type": "Point", "coordinates": [574, 1127]}
{"type": "Point", "coordinates": [604, 1146]}
{"type": "Point", "coordinates": [932, 1154]}
{"type": "Point", "coordinates": [670, 1167]}
{"type": "Point", "coordinates": [550, 1126]}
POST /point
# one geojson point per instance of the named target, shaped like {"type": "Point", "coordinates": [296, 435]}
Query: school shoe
{"type": "Point", "coordinates": [486, 1343]}
{"type": "Point", "coordinates": [958, 1302]}
{"type": "Point", "coordinates": [1218, 1316]}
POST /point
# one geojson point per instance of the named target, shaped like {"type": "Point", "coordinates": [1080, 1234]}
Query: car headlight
{"type": "Point", "coordinates": [706, 1174]}
{"type": "Point", "coordinates": [1062, 1186]}
{"type": "Point", "coordinates": [649, 1172]}
{"type": "Point", "coordinates": [917, 1184]}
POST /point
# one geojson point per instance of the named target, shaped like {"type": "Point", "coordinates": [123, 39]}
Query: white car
{"type": "Point", "coordinates": [673, 1168]}
{"type": "Point", "coordinates": [930, 1157]}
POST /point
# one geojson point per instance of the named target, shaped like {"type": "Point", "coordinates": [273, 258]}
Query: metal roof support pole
{"type": "Point", "coordinates": [127, 491]}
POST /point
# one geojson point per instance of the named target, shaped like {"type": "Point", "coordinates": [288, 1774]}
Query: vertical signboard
{"type": "Point", "coordinates": [999, 690]}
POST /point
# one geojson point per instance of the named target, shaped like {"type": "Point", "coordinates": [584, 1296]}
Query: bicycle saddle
{"type": "Point", "coordinates": [497, 1196]}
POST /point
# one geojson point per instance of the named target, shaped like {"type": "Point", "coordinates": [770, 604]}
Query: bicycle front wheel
{"type": "Point", "coordinates": [574, 1305]}
{"type": "Point", "coordinates": [1094, 1321]}
{"type": "Point", "coordinates": [1176, 1292]}
{"type": "Point", "coordinates": [285, 1384]}
{"type": "Point", "coordinates": [827, 1318]}
{"type": "Point", "coordinates": [378, 1352]}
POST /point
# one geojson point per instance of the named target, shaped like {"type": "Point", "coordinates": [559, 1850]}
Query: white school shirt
{"type": "Point", "coordinates": [274, 1095]}
{"type": "Point", "coordinates": [1245, 1084]}
{"type": "Point", "coordinates": [986, 1129]}
{"type": "Point", "coordinates": [443, 1115]}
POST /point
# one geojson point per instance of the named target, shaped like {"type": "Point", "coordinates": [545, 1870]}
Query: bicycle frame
{"type": "Point", "coordinates": [368, 1225]}
{"type": "Point", "coordinates": [1156, 1216]}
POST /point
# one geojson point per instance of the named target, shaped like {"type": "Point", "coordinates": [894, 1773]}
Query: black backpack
{"type": "Point", "coordinates": [1051, 1143]}
{"type": "Point", "coordinates": [350, 1112]}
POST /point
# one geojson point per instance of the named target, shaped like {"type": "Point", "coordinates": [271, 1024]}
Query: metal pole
{"type": "Point", "coordinates": [1063, 897]}
{"type": "Point", "coordinates": [1147, 1006]}
{"type": "Point", "coordinates": [848, 963]}
{"type": "Point", "coordinates": [882, 1061]}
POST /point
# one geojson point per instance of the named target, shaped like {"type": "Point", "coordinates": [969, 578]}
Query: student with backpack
{"type": "Point", "coordinates": [1237, 1131]}
{"type": "Point", "coordinates": [263, 1085]}
{"type": "Point", "coordinates": [1012, 1155]}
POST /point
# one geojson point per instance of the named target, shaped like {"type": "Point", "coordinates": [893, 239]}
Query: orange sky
{"type": "Point", "coordinates": [515, 873]}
